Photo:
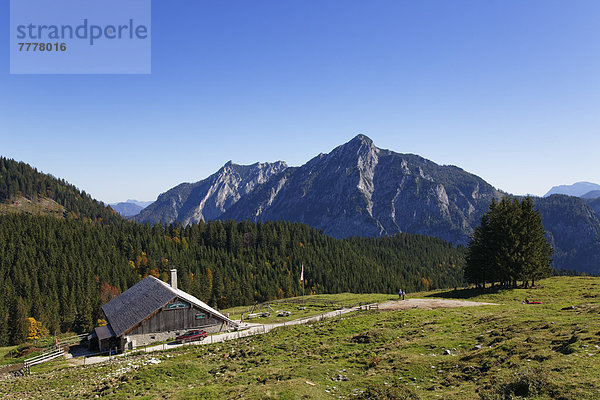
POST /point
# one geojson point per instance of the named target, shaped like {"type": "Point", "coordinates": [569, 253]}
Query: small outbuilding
{"type": "Point", "coordinates": [152, 310]}
{"type": "Point", "coordinates": [102, 338]}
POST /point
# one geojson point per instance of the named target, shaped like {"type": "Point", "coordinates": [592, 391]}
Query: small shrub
{"type": "Point", "coordinates": [371, 336]}
{"type": "Point", "coordinates": [567, 347]}
{"type": "Point", "coordinates": [393, 391]}
{"type": "Point", "coordinates": [528, 383]}
{"type": "Point", "coordinates": [374, 361]}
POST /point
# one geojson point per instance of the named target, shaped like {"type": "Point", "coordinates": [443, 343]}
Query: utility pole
{"type": "Point", "coordinates": [302, 285]}
{"type": "Point", "coordinates": [302, 275]}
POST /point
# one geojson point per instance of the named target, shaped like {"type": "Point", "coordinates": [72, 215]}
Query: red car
{"type": "Point", "coordinates": [191, 336]}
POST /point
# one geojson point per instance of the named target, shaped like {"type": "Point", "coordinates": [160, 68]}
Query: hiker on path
{"type": "Point", "coordinates": [400, 294]}
{"type": "Point", "coordinates": [403, 295]}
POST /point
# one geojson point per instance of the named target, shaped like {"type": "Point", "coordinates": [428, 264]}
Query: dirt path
{"type": "Point", "coordinates": [429, 304]}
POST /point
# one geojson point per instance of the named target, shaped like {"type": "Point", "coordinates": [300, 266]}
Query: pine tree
{"type": "Point", "coordinates": [18, 322]}
{"type": "Point", "coordinates": [4, 327]}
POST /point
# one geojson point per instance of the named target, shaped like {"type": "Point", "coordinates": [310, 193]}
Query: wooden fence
{"type": "Point", "coordinates": [52, 352]}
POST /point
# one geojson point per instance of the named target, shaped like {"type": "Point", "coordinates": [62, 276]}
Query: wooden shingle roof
{"type": "Point", "coordinates": [142, 300]}
{"type": "Point", "coordinates": [104, 332]}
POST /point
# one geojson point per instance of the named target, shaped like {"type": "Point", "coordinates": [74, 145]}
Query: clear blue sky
{"type": "Point", "coordinates": [508, 90]}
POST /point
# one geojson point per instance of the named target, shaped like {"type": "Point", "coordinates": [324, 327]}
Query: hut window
{"type": "Point", "coordinates": [177, 304]}
{"type": "Point", "coordinates": [200, 316]}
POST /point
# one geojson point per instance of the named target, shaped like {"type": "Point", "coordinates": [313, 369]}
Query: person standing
{"type": "Point", "coordinates": [403, 295]}
{"type": "Point", "coordinates": [400, 294]}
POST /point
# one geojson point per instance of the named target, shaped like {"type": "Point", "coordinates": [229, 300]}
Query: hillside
{"type": "Point", "coordinates": [35, 206]}
{"type": "Point", "coordinates": [61, 271]}
{"type": "Point", "coordinates": [504, 351]}
{"type": "Point", "coordinates": [595, 204]}
{"type": "Point", "coordinates": [573, 229]}
{"type": "Point", "coordinates": [24, 189]}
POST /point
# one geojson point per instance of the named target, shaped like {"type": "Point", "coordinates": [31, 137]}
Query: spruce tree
{"type": "Point", "coordinates": [536, 250]}
{"type": "Point", "coordinates": [18, 321]}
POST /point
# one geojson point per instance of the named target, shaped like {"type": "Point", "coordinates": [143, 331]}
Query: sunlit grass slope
{"type": "Point", "coordinates": [488, 352]}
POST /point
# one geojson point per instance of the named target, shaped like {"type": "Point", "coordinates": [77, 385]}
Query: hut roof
{"type": "Point", "coordinates": [104, 332]}
{"type": "Point", "coordinates": [142, 300]}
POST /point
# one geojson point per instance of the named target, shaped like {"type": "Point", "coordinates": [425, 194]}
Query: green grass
{"type": "Point", "coordinates": [38, 206]}
{"type": "Point", "coordinates": [17, 354]}
{"type": "Point", "coordinates": [497, 352]}
{"type": "Point", "coordinates": [8, 355]}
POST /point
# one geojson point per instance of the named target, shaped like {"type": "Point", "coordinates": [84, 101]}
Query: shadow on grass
{"type": "Point", "coordinates": [467, 293]}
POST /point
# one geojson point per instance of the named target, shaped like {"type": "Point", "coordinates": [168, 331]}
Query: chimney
{"type": "Point", "coordinates": [174, 278]}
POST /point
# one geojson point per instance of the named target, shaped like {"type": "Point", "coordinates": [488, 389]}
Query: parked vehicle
{"type": "Point", "coordinates": [191, 336]}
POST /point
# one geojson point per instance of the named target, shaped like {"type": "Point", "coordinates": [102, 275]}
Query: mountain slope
{"type": "Point", "coordinates": [208, 199]}
{"type": "Point", "coordinates": [594, 204]}
{"type": "Point", "coordinates": [573, 229]}
{"type": "Point", "coordinates": [594, 194]}
{"type": "Point", "coordinates": [577, 189]}
{"type": "Point", "coordinates": [361, 190]}
{"type": "Point", "coordinates": [25, 190]}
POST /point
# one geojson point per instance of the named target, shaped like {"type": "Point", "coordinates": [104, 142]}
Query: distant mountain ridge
{"type": "Point", "coordinates": [578, 189]}
{"type": "Point", "coordinates": [130, 207]}
{"type": "Point", "coordinates": [126, 209]}
{"type": "Point", "coordinates": [142, 204]}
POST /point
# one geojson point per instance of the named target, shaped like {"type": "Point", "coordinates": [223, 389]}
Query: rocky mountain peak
{"type": "Point", "coordinates": [363, 139]}
{"type": "Point", "coordinates": [360, 144]}
{"type": "Point", "coordinates": [209, 198]}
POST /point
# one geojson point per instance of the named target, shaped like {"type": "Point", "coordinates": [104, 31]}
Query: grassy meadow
{"type": "Point", "coordinates": [313, 305]}
{"type": "Point", "coordinates": [505, 351]}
